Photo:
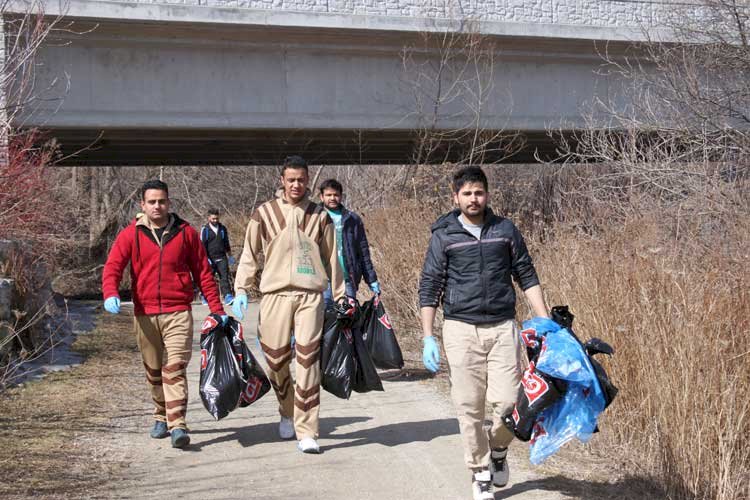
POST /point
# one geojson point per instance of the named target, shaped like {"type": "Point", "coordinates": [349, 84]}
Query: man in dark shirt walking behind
{"type": "Point", "coordinates": [215, 239]}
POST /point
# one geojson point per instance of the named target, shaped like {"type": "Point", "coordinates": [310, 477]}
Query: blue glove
{"type": "Point", "coordinates": [375, 287]}
{"type": "Point", "coordinates": [239, 306]}
{"type": "Point", "coordinates": [224, 319]}
{"type": "Point", "coordinates": [112, 305]}
{"type": "Point", "coordinates": [431, 354]}
{"type": "Point", "coordinates": [231, 260]}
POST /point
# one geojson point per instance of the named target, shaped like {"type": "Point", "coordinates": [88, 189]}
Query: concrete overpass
{"type": "Point", "coordinates": [249, 81]}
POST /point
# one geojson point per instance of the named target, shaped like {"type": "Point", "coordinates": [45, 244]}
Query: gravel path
{"type": "Point", "coordinates": [400, 444]}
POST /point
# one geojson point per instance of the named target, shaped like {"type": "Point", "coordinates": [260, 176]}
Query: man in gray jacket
{"type": "Point", "coordinates": [472, 256]}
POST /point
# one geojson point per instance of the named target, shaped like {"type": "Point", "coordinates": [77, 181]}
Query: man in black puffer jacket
{"type": "Point", "coordinates": [472, 260]}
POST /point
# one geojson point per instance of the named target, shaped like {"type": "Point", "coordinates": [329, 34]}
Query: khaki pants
{"type": "Point", "coordinates": [485, 368]}
{"type": "Point", "coordinates": [166, 343]}
{"type": "Point", "coordinates": [280, 313]}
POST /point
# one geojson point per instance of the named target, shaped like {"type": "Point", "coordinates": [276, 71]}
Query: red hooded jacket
{"type": "Point", "coordinates": [160, 277]}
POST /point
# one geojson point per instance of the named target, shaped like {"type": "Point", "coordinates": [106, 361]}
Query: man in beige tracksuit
{"type": "Point", "coordinates": [472, 256]}
{"type": "Point", "coordinates": [297, 241]}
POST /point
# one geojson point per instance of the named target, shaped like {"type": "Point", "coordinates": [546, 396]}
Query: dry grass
{"type": "Point", "coordinates": [55, 432]}
{"type": "Point", "coordinates": [679, 316]}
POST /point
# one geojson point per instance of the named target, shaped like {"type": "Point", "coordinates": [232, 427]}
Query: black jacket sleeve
{"type": "Point", "coordinates": [203, 237]}
{"type": "Point", "coordinates": [434, 273]}
{"type": "Point", "coordinates": [522, 265]}
{"type": "Point", "coordinates": [227, 248]}
{"type": "Point", "coordinates": [368, 270]}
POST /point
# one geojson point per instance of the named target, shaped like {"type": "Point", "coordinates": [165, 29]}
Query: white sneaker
{"type": "Point", "coordinates": [286, 428]}
{"type": "Point", "coordinates": [481, 486]}
{"type": "Point", "coordinates": [308, 445]}
{"type": "Point", "coordinates": [499, 467]}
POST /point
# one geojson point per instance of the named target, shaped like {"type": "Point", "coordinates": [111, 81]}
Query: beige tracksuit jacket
{"type": "Point", "coordinates": [298, 245]}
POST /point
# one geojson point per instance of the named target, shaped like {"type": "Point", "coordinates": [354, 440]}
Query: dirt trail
{"type": "Point", "coordinates": [400, 444]}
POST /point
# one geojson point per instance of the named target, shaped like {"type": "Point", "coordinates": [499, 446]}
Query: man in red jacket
{"type": "Point", "coordinates": [165, 254]}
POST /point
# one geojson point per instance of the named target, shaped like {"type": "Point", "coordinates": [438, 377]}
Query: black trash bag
{"type": "Point", "coordinates": [346, 364]}
{"type": "Point", "coordinates": [337, 361]}
{"type": "Point", "coordinates": [595, 346]}
{"type": "Point", "coordinates": [533, 343]}
{"type": "Point", "coordinates": [366, 377]}
{"type": "Point", "coordinates": [221, 378]}
{"type": "Point", "coordinates": [377, 332]}
{"type": "Point", "coordinates": [337, 364]}
{"type": "Point", "coordinates": [364, 314]}
{"type": "Point", "coordinates": [539, 392]}
{"type": "Point", "coordinates": [609, 389]}
{"type": "Point", "coordinates": [335, 318]}
{"type": "Point", "coordinates": [562, 316]}
{"type": "Point", "coordinates": [256, 383]}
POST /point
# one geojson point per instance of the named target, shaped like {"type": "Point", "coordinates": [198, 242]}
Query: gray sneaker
{"type": "Point", "coordinates": [180, 438]}
{"type": "Point", "coordinates": [159, 431]}
{"type": "Point", "coordinates": [499, 466]}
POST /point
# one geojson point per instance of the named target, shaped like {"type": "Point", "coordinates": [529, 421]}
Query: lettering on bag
{"type": "Point", "coordinates": [252, 390]}
{"type": "Point", "coordinates": [539, 431]}
{"type": "Point", "coordinates": [529, 338]}
{"type": "Point", "coordinates": [209, 324]}
{"type": "Point", "coordinates": [204, 359]}
{"type": "Point", "coordinates": [534, 386]}
{"type": "Point", "coordinates": [386, 321]}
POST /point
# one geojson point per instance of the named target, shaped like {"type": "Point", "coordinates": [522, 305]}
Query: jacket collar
{"type": "Point", "coordinates": [173, 227]}
{"type": "Point", "coordinates": [344, 211]}
{"type": "Point", "coordinates": [451, 224]}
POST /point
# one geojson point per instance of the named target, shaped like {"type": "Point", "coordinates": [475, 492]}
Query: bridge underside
{"type": "Point", "coordinates": [165, 92]}
{"type": "Point", "coordinates": [258, 147]}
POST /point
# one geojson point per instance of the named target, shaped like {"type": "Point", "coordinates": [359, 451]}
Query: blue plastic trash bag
{"type": "Point", "coordinates": [575, 414]}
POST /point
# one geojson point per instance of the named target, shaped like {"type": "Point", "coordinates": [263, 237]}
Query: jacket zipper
{"type": "Point", "coordinates": [484, 282]}
{"type": "Point", "coordinates": [158, 283]}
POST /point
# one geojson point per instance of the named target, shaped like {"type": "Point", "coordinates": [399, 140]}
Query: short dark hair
{"type": "Point", "coordinates": [294, 162]}
{"type": "Point", "coordinates": [331, 184]}
{"type": "Point", "coordinates": [213, 211]}
{"type": "Point", "coordinates": [468, 174]}
{"type": "Point", "coordinates": [153, 184]}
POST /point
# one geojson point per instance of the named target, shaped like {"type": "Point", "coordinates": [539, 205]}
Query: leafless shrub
{"type": "Point", "coordinates": [451, 77]}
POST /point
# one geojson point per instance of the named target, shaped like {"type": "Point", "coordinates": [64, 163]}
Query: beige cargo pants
{"type": "Point", "coordinates": [485, 367]}
{"type": "Point", "coordinates": [280, 313]}
{"type": "Point", "coordinates": [166, 344]}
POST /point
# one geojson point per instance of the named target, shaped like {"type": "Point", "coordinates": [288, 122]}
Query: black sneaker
{"type": "Point", "coordinates": [499, 466]}
{"type": "Point", "coordinates": [481, 486]}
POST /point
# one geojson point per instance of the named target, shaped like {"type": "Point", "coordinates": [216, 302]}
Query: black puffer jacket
{"type": "Point", "coordinates": [472, 278]}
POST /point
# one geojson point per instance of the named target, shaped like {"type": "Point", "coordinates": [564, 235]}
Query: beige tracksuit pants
{"type": "Point", "coordinates": [484, 363]}
{"type": "Point", "coordinates": [280, 313]}
{"type": "Point", "coordinates": [166, 343]}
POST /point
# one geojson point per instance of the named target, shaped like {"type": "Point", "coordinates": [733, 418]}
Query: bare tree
{"type": "Point", "coordinates": [451, 77]}
{"type": "Point", "coordinates": [679, 132]}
